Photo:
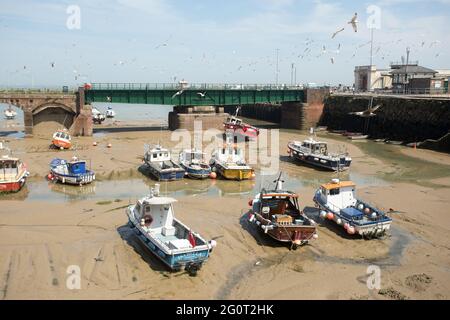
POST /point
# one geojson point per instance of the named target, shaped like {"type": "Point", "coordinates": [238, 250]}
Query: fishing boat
{"type": "Point", "coordinates": [160, 164]}
{"type": "Point", "coordinates": [194, 164]}
{"type": "Point", "coordinates": [277, 212]}
{"type": "Point", "coordinates": [10, 114]}
{"type": "Point", "coordinates": [110, 113]}
{"type": "Point", "coordinates": [337, 202]}
{"type": "Point", "coordinates": [13, 173]}
{"type": "Point", "coordinates": [174, 243]}
{"type": "Point", "coordinates": [315, 153]}
{"type": "Point", "coordinates": [62, 139]}
{"type": "Point", "coordinates": [237, 125]}
{"type": "Point", "coordinates": [70, 172]}
{"type": "Point", "coordinates": [230, 164]}
{"type": "Point", "coordinates": [97, 116]}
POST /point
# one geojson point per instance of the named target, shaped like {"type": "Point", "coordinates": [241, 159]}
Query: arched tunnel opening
{"type": "Point", "coordinates": [47, 119]}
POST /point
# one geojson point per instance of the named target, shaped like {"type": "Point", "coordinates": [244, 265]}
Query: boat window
{"type": "Point", "coordinates": [147, 209]}
{"type": "Point", "coordinates": [166, 154]}
{"type": "Point", "coordinates": [138, 207]}
{"type": "Point", "coordinates": [155, 155]}
{"type": "Point", "coordinates": [223, 151]}
{"type": "Point", "coordinates": [334, 191]}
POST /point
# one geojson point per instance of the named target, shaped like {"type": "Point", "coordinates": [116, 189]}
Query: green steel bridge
{"type": "Point", "coordinates": [192, 94]}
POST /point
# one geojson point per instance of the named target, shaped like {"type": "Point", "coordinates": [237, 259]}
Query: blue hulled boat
{"type": "Point", "coordinates": [171, 241]}
{"type": "Point", "coordinates": [337, 202]}
{"type": "Point", "coordinates": [70, 172]}
{"type": "Point", "coordinates": [193, 162]}
{"type": "Point", "coordinates": [160, 164]}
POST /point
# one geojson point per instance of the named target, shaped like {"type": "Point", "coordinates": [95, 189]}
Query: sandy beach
{"type": "Point", "coordinates": [40, 239]}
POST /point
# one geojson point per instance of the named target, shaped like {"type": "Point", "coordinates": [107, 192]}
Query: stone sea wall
{"type": "Point", "coordinates": [406, 119]}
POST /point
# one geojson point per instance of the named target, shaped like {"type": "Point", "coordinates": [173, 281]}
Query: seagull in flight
{"type": "Point", "coordinates": [334, 34]}
{"type": "Point", "coordinates": [177, 93]}
{"type": "Point", "coordinates": [354, 22]}
{"type": "Point", "coordinates": [201, 94]}
{"type": "Point", "coordinates": [367, 113]}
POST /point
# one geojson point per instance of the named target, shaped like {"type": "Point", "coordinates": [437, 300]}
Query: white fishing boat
{"type": "Point", "coordinates": [171, 241]}
{"type": "Point", "coordinates": [230, 163]}
{"type": "Point", "coordinates": [110, 113]}
{"type": "Point", "coordinates": [194, 163]}
{"type": "Point", "coordinates": [337, 202]}
{"type": "Point", "coordinates": [10, 114]}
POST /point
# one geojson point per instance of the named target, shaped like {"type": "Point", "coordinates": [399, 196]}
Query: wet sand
{"type": "Point", "coordinates": [40, 239]}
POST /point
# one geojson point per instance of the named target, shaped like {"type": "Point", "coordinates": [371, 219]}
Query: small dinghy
{"type": "Point", "coordinates": [277, 213]}
{"type": "Point", "coordinates": [175, 244]}
{"type": "Point", "coordinates": [70, 172]}
{"type": "Point", "coordinates": [193, 162]}
{"type": "Point", "coordinates": [110, 113]}
{"type": "Point", "coordinates": [160, 164]}
{"type": "Point", "coordinates": [13, 172]}
{"type": "Point", "coordinates": [337, 202]}
{"type": "Point", "coordinates": [62, 139]}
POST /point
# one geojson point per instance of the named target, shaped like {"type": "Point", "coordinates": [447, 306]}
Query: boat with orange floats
{"type": "Point", "coordinates": [62, 139]}
{"type": "Point", "coordinates": [229, 162]}
{"type": "Point", "coordinates": [338, 203]}
{"type": "Point", "coordinates": [277, 213]}
{"type": "Point", "coordinates": [237, 125]}
{"type": "Point", "coordinates": [13, 172]}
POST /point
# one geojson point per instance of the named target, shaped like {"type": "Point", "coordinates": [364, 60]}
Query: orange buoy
{"type": "Point", "coordinates": [253, 175]}
{"type": "Point", "coordinates": [330, 215]}
{"type": "Point", "coordinates": [49, 176]}
{"type": "Point", "coordinates": [213, 175]}
{"type": "Point", "coordinates": [95, 143]}
{"type": "Point", "coordinates": [109, 145]}
{"type": "Point", "coordinates": [346, 225]}
{"type": "Point", "coordinates": [367, 211]}
{"type": "Point", "coordinates": [250, 202]}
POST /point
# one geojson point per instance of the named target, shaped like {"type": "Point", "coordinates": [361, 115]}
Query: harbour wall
{"type": "Point", "coordinates": [400, 118]}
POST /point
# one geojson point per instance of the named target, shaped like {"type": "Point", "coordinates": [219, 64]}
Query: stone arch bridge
{"type": "Point", "coordinates": [67, 109]}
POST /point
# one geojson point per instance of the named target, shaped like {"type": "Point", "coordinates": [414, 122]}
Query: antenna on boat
{"type": "Point", "coordinates": [278, 182]}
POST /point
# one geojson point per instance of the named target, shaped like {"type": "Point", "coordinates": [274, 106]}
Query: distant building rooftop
{"type": "Point", "coordinates": [412, 69]}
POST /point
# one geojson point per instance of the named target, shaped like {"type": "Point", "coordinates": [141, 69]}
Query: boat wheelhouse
{"type": "Point", "coordinates": [230, 163]}
{"type": "Point", "coordinates": [110, 113]}
{"type": "Point", "coordinates": [315, 153]}
{"type": "Point", "coordinates": [160, 164]}
{"type": "Point", "coordinates": [171, 241]}
{"type": "Point", "coordinates": [278, 214]}
{"type": "Point", "coordinates": [337, 202]}
{"type": "Point", "coordinates": [70, 172]}
{"type": "Point", "coordinates": [10, 114]}
{"type": "Point", "coordinates": [13, 174]}
{"type": "Point", "coordinates": [194, 163]}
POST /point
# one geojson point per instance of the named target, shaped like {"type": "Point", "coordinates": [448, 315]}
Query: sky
{"type": "Point", "coordinates": [46, 43]}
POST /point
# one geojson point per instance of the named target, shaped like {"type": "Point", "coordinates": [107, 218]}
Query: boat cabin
{"type": "Point", "coordinates": [276, 203]}
{"type": "Point", "coordinates": [158, 154]}
{"type": "Point", "coordinates": [156, 218]}
{"type": "Point", "coordinates": [192, 156]}
{"type": "Point", "coordinates": [62, 135]}
{"type": "Point", "coordinates": [234, 121]}
{"type": "Point", "coordinates": [73, 167]}
{"type": "Point", "coordinates": [10, 168]}
{"type": "Point", "coordinates": [230, 154]}
{"type": "Point", "coordinates": [338, 194]}
{"type": "Point", "coordinates": [315, 147]}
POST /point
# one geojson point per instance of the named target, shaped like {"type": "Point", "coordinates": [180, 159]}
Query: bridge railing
{"type": "Point", "coordinates": [191, 86]}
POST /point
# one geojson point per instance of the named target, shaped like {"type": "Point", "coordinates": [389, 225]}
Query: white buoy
{"type": "Point", "coordinates": [323, 214]}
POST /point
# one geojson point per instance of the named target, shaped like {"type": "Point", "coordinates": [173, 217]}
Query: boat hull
{"type": "Point", "coordinates": [14, 186]}
{"type": "Point", "coordinates": [61, 144]}
{"type": "Point", "coordinates": [373, 229]}
{"type": "Point", "coordinates": [79, 179]}
{"type": "Point", "coordinates": [247, 131]}
{"type": "Point", "coordinates": [196, 173]}
{"type": "Point", "coordinates": [166, 174]}
{"type": "Point", "coordinates": [339, 164]}
{"type": "Point", "coordinates": [235, 174]}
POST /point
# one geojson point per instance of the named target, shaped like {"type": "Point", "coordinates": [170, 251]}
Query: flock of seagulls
{"type": "Point", "coordinates": [312, 49]}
